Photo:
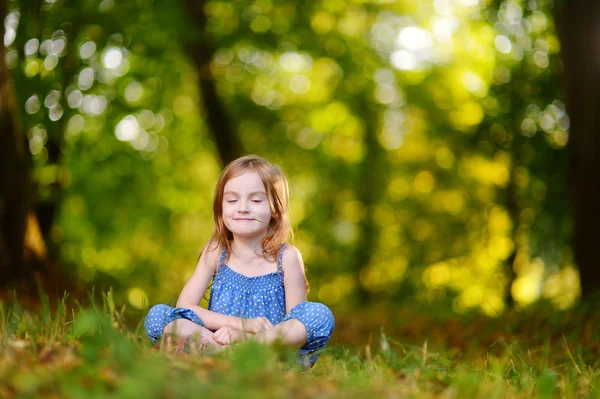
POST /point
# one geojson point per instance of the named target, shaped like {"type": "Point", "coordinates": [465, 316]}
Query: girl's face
{"type": "Point", "coordinates": [246, 209]}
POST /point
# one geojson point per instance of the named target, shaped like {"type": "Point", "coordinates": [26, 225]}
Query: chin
{"type": "Point", "coordinates": [247, 233]}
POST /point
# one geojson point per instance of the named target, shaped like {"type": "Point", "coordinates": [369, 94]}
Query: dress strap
{"type": "Point", "coordinates": [223, 256]}
{"type": "Point", "coordinates": [280, 257]}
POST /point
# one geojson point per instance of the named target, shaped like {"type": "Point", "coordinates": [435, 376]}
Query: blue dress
{"type": "Point", "coordinates": [235, 294]}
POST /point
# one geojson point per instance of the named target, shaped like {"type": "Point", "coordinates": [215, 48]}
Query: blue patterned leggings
{"type": "Point", "coordinates": [316, 318]}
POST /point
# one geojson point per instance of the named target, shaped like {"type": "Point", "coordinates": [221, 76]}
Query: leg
{"type": "Point", "coordinates": [318, 322]}
{"type": "Point", "coordinates": [181, 322]}
{"type": "Point", "coordinates": [307, 326]}
{"type": "Point", "coordinates": [183, 332]}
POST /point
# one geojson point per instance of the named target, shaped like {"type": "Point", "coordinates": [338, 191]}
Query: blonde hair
{"type": "Point", "coordinates": [276, 186]}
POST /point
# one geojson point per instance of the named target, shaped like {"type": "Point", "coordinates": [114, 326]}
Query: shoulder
{"type": "Point", "coordinates": [291, 259]}
{"type": "Point", "coordinates": [211, 254]}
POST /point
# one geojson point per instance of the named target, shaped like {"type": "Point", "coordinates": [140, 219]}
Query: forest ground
{"type": "Point", "coordinates": [99, 350]}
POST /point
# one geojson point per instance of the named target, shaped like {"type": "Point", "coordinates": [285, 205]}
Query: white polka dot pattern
{"type": "Point", "coordinates": [234, 294]}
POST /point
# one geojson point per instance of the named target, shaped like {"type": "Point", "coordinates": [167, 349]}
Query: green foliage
{"type": "Point", "coordinates": [424, 144]}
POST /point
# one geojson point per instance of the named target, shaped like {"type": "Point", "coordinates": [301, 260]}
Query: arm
{"type": "Point", "coordinates": [294, 278]}
{"type": "Point", "coordinates": [196, 286]}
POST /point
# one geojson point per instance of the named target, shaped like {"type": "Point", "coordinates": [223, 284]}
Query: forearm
{"type": "Point", "coordinates": [213, 320]}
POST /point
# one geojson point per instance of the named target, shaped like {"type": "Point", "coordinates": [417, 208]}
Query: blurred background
{"type": "Point", "coordinates": [426, 145]}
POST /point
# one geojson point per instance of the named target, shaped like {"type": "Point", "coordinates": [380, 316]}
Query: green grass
{"type": "Point", "coordinates": [91, 352]}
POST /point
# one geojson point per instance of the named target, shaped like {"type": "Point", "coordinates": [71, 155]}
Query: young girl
{"type": "Point", "coordinates": [259, 287]}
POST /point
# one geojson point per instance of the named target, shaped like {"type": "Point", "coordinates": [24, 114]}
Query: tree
{"type": "Point", "coordinates": [22, 247]}
{"type": "Point", "coordinates": [578, 25]}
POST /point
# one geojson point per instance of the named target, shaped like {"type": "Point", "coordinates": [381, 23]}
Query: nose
{"type": "Point", "coordinates": [242, 206]}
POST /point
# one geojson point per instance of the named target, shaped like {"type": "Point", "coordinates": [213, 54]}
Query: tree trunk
{"type": "Point", "coordinates": [24, 265]}
{"type": "Point", "coordinates": [201, 53]}
{"type": "Point", "coordinates": [15, 187]}
{"type": "Point", "coordinates": [512, 205]}
{"type": "Point", "coordinates": [371, 188]}
{"type": "Point", "coordinates": [15, 184]}
{"type": "Point", "coordinates": [21, 244]}
{"type": "Point", "coordinates": [578, 24]}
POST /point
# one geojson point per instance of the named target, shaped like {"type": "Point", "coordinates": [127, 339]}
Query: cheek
{"type": "Point", "coordinates": [227, 210]}
{"type": "Point", "coordinates": [265, 211]}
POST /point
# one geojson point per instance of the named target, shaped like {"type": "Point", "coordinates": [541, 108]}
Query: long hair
{"type": "Point", "coordinates": [276, 186]}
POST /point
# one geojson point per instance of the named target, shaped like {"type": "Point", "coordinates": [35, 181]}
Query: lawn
{"type": "Point", "coordinates": [99, 350]}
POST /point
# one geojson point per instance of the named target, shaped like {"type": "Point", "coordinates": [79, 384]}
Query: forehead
{"type": "Point", "coordinates": [247, 182]}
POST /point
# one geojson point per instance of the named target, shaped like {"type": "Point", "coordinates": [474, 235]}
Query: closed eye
{"type": "Point", "coordinates": [257, 201]}
{"type": "Point", "coordinates": [232, 201]}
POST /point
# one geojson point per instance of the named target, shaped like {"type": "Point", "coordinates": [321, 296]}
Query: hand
{"type": "Point", "coordinates": [256, 325]}
{"type": "Point", "coordinates": [227, 335]}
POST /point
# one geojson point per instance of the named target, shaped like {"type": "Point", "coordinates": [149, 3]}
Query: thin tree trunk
{"type": "Point", "coordinates": [512, 205]}
{"type": "Point", "coordinates": [579, 31]}
{"type": "Point", "coordinates": [201, 53]}
{"type": "Point", "coordinates": [371, 188]}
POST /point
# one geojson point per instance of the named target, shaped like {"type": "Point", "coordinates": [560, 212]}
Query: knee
{"type": "Point", "coordinates": [315, 316]}
{"type": "Point", "coordinates": [156, 319]}
{"type": "Point", "coordinates": [324, 315]}
{"type": "Point", "coordinates": [320, 310]}
{"type": "Point", "coordinates": [158, 312]}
